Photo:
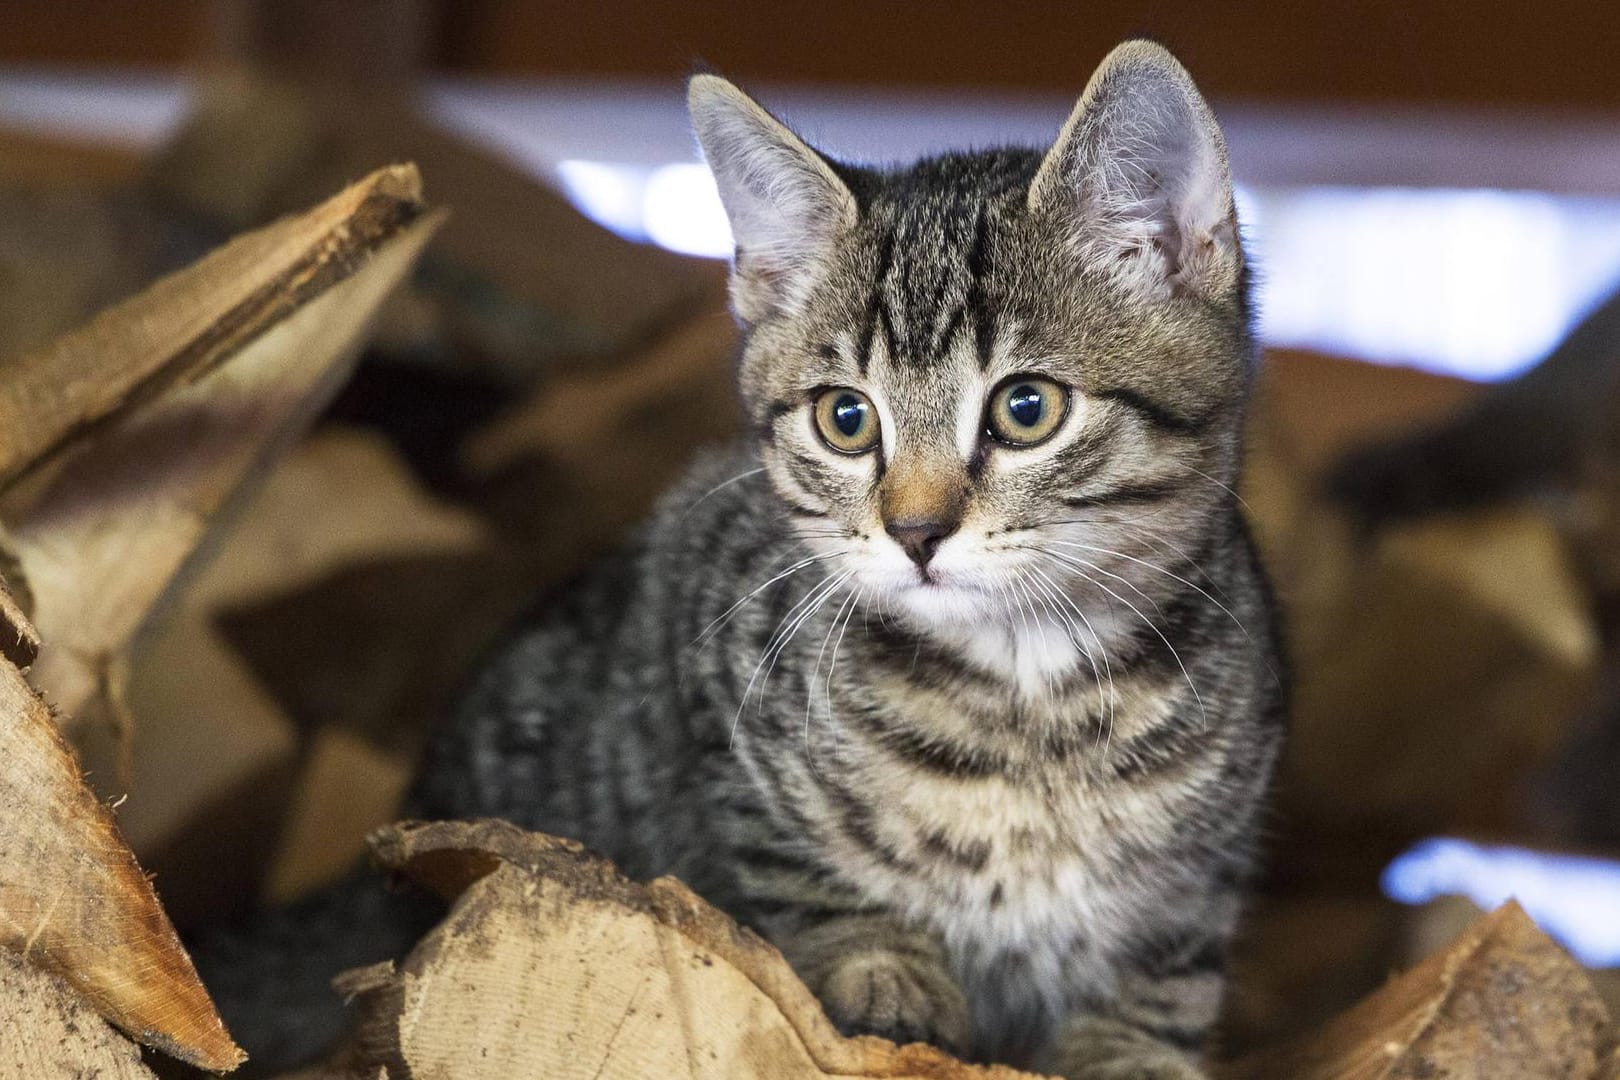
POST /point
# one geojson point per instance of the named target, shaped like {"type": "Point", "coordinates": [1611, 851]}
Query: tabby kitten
{"type": "Point", "coordinates": [956, 680]}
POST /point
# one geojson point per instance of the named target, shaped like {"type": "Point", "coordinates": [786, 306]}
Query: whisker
{"type": "Point", "coordinates": [812, 682]}
{"type": "Point", "coordinates": [732, 610]}
{"type": "Point", "coordinates": [1075, 565]}
{"type": "Point", "coordinates": [1241, 501]}
{"type": "Point", "coordinates": [1173, 576]}
{"type": "Point", "coordinates": [812, 600]}
{"type": "Point", "coordinates": [1111, 706]}
{"type": "Point", "coordinates": [799, 624]}
{"type": "Point", "coordinates": [1123, 580]}
{"type": "Point", "coordinates": [832, 669]}
{"type": "Point", "coordinates": [719, 487]}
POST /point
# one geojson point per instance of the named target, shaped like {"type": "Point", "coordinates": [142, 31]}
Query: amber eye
{"type": "Point", "coordinates": [846, 420]}
{"type": "Point", "coordinates": [1026, 409]}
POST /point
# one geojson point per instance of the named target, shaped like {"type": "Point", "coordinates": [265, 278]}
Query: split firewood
{"type": "Point", "coordinates": [1477, 708]}
{"type": "Point", "coordinates": [229, 760]}
{"type": "Point", "coordinates": [190, 322]}
{"type": "Point", "coordinates": [262, 139]}
{"type": "Point", "coordinates": [1502, 1000]}
{"type": "Point", "coordinates": [125, 441]}
{"type": "Point", "coordinates": [552, 964]}
{"type": "Point", "coordinates": [19, 641]}
{"type": "Point", "coordinates": [49, 1031]}
{"type": "Point", "coordinates": [74, 902]}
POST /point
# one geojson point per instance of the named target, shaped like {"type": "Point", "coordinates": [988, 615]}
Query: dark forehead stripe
{"type": "Point", "coordinates": [875, 302]}
{"type": "Point", "coordinates": [978, 303]}
{"type": "Point", "coordinates": [932, 227]}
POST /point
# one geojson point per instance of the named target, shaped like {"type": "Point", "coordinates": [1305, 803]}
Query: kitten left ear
{"type": "Point", "coordinates": [786, 204]}
{"type": "Point", "coordinates": [1139, 175]}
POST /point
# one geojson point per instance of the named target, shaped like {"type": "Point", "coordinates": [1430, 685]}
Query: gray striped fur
{"type": "Point", "coordinates": [1007, 803]}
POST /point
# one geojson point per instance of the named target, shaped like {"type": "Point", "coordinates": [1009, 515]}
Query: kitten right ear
{"type": "Point", "coordinates": [1139, 177]}
{"type": "Point", "coordinates": [786, 204]}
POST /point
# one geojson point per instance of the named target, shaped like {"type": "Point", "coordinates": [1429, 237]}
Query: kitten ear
{"type": "Point", "coordinates": [1139, 175]}
{"type": "Point", "coordinates": [786, 204]}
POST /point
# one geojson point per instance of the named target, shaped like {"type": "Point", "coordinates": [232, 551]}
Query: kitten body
{"type": "Point", "coordinates": [976, 727]}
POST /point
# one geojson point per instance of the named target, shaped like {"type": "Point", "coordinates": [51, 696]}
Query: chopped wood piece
{"type": "Point", "coordinates": [19, 641]}
{"type": "Point", "coordinates": [348, 788]}
{"type": "Point", "coordinates": [73, 900]}
{"type": "Point", "coordinates": [103, 533]}
{"type": "Point", "coordinates": [520, 278]}
{"type": "Point", "coordinates": [49, 1031]}
{"type": "Point", "coordinates": [552, 964]}
{"type": "Point", "coordinates": [1502, 1000]}
{"type": "Point", "coordinates": [191, 321]}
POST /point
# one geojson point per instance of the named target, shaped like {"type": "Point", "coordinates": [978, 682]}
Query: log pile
{"type": "Point", "coordinates": [121, 445]}
{"type": "Point", "coordinates": [688, 992]}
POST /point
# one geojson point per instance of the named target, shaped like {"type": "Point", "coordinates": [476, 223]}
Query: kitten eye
{"type": "Point", "coordinates": [1026, 409]}
{"type": "Point", "coordinates": [847, 421]}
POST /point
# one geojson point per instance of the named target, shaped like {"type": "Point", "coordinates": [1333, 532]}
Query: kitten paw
{"type": "Point", "coordinates": [904, 1000]}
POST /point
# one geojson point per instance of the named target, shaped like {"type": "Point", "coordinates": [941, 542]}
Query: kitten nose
{"type": "Point", "coordinates": [919, 538]}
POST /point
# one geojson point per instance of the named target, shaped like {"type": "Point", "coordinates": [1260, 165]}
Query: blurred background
{"type": "Point", "coordinates": [1432, 196]}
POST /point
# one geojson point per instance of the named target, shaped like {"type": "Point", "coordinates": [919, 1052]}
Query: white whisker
{"type": "Point", "coordinates": [700, 500]}
{"type": "Point", "coordinates": [1075, 564]}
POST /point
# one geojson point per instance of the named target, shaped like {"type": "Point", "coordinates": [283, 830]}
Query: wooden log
{"type": "Point", "coordinates": [19, 641]}
{"type": "Point", "coordinates": [552, 964]}
{"type": "Point", "coordinates": [509, 307]}
{"type": "Point", "coordinates": [74, 902]}
{"type": "Point", "coordinates": [1502, 1000]}
{"type": "Point", "coordinates": [220, 763]}
{"type": "Point", "coordinates": [104, 526]}
{"type": "Point", "coordinates": [49, 1031]}
{"type": "Point", "coordinates": [191, 321]}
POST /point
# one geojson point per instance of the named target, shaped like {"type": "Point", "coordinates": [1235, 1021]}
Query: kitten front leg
{"type": "Point", "coordinates": [1156, 1025]}
{"type": "Point", "coordinates": [875, 976]}
{"type": "Point", "coordinates": [1101, 1048]}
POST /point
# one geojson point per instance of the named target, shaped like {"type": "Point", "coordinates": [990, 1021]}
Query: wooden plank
{"type": "Point", "coordinates": [552, 964]}
{"type": "Point", "coordinates": [1494, 52]}
{"type": "Point", "coordinates": [49, 1031]}
{"type": "Point", "coordinates": [1502, 1000]}
{"type": "Point", "coordinates": [104, 535]}
{"type": "Point", "coordinates": [192, 321]}
{"type": "Point", "coordinates": [74, 902]}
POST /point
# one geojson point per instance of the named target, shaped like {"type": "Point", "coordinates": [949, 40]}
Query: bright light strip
{"type": "Point", "coordinates": [1465, 282]}
{"type": "Point", "coordinates": [1575, 899]}
{"type": "Point", "coordinates": [681, 211]}
{"type": "Point", "coordinates": [610, 195]}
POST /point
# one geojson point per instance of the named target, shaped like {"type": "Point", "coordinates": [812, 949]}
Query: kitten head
{"type": "Point", "coordinates": [990, 377]}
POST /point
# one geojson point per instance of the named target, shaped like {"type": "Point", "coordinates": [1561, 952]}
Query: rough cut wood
{"type": "Point", "coordinates": [19, 641]}
{"type": "Point", "coordinates": [551, 964]}
{"type": "Point", "coordinates": [47, 1031]}
{"type": "Point", "coordinates": [73, 901]}
{"type": "Point", "coordinates": [257, 144]}
{"type": "Point", "coordinates": [219, 763]}
{"type": "Point", "coordinates": [192, 320]}
{"type": "Point", "coordinates": [103, 532]}
{"type": "Point", "coordinates": [1501, 1001]}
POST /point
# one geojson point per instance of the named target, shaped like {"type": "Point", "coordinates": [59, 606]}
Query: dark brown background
{"type": "Point", "coordinates": [1554, 53]}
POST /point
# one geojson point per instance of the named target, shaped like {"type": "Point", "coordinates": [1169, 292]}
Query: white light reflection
{"type": "Point", "coordinates": [1474, 283]}
{"type": "Point", "coordinates": [1575, 899]}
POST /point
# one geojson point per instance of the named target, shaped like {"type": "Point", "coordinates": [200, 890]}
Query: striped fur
{"type": "Point", "coordinates": [1006, 802]}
